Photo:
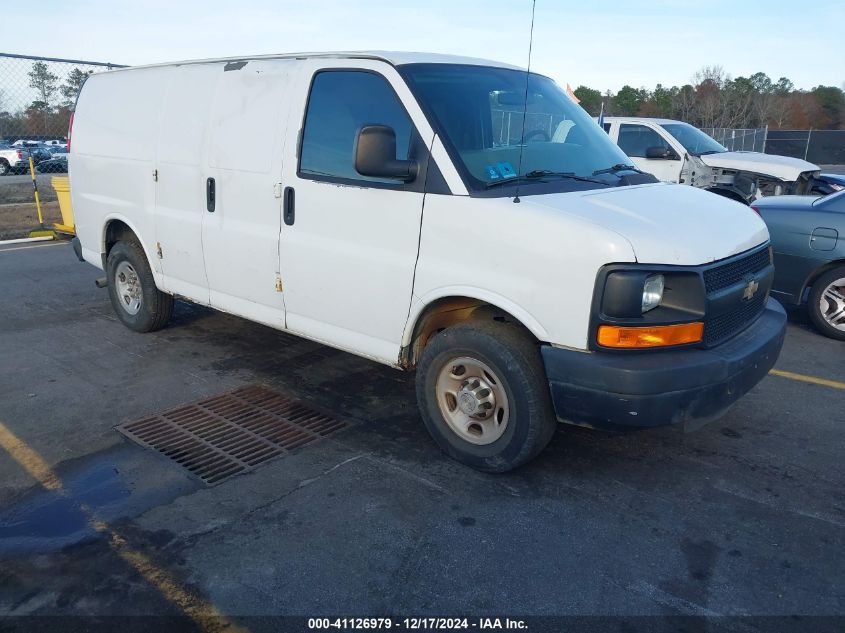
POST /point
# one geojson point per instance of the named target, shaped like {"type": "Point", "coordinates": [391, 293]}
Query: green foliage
{"type": "Point", "coordinates": [72, 86]}
{"type": "Point", "coordinates": [662, 99]}
{"type": "Point", "coordinates": [590, 99]}
{"type": "Point", "coordinates": [831, 100]}
{"type": "Point", "coordinates": [628, 101]}
{"type": "Point", "coordinates": [44, 83]}
{"type": "Point", "coordinates": [714, 99]}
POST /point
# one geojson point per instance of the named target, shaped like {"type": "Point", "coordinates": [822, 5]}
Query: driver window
{"type": "Point", "coordinates": [634, 140]}
{"type": "Point", "coordinates": [339, 104]}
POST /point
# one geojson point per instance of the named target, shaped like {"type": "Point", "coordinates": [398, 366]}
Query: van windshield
{"type": "Point", "coordinates": [479, 111]}
{"type": "Point", "coordinates": [694, 140]}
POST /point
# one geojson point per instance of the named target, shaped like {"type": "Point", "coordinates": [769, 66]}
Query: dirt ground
{"type": "Point", "coordinates": [17, 220]}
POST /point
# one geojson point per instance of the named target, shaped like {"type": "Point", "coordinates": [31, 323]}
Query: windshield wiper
{"type": "Point", "coordinates": [543, 173]}
{"type": "Point", "coordinates": [617, 167]}
{"type": "Point", "coordinates": [504, 181]}
{"type": "Point", "coordinates": [537, 174]}
{"type": "Point", "coordinates": [710, 151]}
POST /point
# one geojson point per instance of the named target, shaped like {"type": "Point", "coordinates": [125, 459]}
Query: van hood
{"type": "Point", "coordinates": [666, 223]}
{"type": "Point", "coordinates": [782, 167]}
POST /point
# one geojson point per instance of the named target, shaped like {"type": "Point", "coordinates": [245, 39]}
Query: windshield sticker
{"type": "Point", "coordinates": [492, 173]}
{"type": "Point", "coordinates": [506, 169]}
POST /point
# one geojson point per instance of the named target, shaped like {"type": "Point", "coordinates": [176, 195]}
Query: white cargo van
{"type": "Point", "coordinates": [393, 206]}
{"type": "Point", "coordinates": [675, 151]}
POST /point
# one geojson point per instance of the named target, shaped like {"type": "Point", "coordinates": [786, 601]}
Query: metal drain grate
{"type": "Point", "coordinates": [232, 433]}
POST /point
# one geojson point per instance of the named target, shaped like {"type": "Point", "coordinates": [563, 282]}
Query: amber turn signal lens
{"type": "Point", "coordinates": [658, 336]}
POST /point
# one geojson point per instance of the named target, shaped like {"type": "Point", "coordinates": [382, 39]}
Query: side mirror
{"type": "Point", "coordinates": [664, 153]}
{"type": "Point", "coordinates": [375, 155]}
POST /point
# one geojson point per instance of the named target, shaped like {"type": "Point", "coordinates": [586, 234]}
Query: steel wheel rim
{"type": "Point", "coordinates": [832, 304]}
{"type": "Point", "coordinates": [128, 288]}
{"type": "Point", "coordinates": [472, 400]}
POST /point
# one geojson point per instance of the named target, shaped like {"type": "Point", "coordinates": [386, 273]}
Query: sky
{"type": "Point", "coordinates": [603, 45]}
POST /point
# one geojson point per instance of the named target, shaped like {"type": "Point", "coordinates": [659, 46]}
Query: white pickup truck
{"type": "Point", "coordinates": [678, 152]}
{"type": "Point", "coordinates": [13, 159]}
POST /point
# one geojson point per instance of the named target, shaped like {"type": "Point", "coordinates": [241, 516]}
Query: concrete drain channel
{"type": "Point", "coordinates": [231, 433]}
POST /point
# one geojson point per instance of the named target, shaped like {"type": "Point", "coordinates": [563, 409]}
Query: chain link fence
{"type": "Point", "coordinates": [37, 95]}
{"type": "Point", "coordinates": [822, 147]}
{"type": "Point", "coordinates": [739, 140]}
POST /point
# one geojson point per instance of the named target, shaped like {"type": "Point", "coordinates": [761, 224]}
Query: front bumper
{"type": "Point", "coordinates": [640, 390]}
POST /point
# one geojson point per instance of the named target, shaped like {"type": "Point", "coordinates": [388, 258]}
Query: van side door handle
{"type": "Point", "coordinates": [210, 194]}
{"type": "Point", "coordinates": [288, 206]}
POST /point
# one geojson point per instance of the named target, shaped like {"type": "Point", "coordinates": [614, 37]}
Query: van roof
{"type": "Point", "coordinates": [395, 58]}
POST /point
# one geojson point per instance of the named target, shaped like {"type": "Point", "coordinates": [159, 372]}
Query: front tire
{"type": "Point", "coordinates": [826, 303]}
{"type": "Point", "coordinates": [136, 299]}
{"type": "Point", "coordinates": [484, 397]}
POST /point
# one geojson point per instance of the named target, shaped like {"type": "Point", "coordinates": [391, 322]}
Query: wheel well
{"type": "Point", "coordinates": [446, 312]}
{"type": "Point", "coordinates": [116, 230]}
{"type": "Point", "coordinates": [727, 193]}
{"type": "Point", "coordinates": [821, 270]}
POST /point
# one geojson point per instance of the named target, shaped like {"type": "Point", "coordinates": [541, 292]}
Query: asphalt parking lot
{"type": "Point", "coordinates": [744, 517]}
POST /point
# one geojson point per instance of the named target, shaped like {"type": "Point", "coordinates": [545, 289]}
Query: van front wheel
{"type": "Point", "coordinates": [484, 397]}
{"type": "Point", "coordinates": [136, 300]}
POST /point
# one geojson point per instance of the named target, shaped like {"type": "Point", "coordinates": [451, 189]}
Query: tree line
{"type": "Point", "coordinates": [49, 112]}
{"type": "Point", "coordinates": [714, 99]}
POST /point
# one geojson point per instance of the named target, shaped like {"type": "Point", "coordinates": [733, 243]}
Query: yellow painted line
{"type": "Point", "coordinates": [811, 379]}
{"type": "Point", "coordinates": [28, 459]}
{"type": "Point", "coordinates": [205, 615]}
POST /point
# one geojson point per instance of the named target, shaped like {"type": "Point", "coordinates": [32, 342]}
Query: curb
{"type": "Point", "coordinates": [24, 240]}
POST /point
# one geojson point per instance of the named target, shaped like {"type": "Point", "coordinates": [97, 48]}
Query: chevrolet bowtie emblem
{"type": "Point", "coordinates": [750, 289]}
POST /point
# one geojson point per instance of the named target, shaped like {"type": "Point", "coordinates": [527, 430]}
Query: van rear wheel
{"type": "Point", "coordinates": [136, 299]}
{"type": "Point", "coordinates": [484, 397]}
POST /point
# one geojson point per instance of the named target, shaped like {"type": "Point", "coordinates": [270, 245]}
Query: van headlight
{"type": "Point", "coordinates": [652, 292]}
{"type": "Point", "coordinates": [635, 306]}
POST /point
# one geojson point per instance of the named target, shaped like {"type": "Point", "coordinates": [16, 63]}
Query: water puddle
{"type": "Point", "coordinates": [105, 487]}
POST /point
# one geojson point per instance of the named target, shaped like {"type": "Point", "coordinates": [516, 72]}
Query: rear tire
{"type": "Point", "coordinates": [136, 299]}
{"type": "Point", "coordinates": [4, 167]}
{"type": "Point", "coordinates": [484, 397]}
{"type": "Point", "coordinates": [826, 303]}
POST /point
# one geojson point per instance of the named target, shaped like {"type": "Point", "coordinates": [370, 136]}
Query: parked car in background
{"type": "Point", "coordinates": [675, 151]}
{"type": "Point", "coordinates": [15, 160]}
{"type": "Point", "coordinates": [37, 141]}
{"type": "Point", "coordinates": [808, 239]}
{"type": "Point", "coordinates": [10, 157]}
{"type": "Point", "coordinates": [825, 184]}
{"type": "Point", "coordinates": [56, 165]}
